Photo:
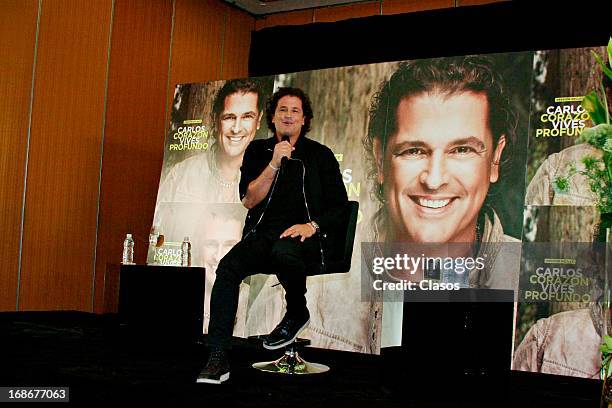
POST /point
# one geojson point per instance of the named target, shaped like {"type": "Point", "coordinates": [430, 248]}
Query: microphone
{"type": "Point", "coordinates": [285, 138]}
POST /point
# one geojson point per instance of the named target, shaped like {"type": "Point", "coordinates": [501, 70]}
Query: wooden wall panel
{"type": "Point", "coordinates": [64, 157]}
{"type": "Point", "coordinates": [477, 2]}
{"type": "Point", "coordinates": [337, 13]}
{"type": "Point", "coordinates": [236, 44]}
{"type": "Point", "coordinates": [134, 132]}
{"type": "Point", "coordinates": [289, 18]}
{"type": "Point", "coordinates": [409, 6]}
{"type": "Point", "coordinates": [344, 12]}
{"type": "Point", "coordinates": [197, 41]}
{"type": "Point", "coordinates": [18, 34]}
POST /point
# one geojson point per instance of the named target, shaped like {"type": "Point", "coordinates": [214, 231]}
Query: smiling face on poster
{"type": "Point", "coordinates": [239, 121]}
{"type": "Point", "coordinates": [437, 167]}
{"type": "Point", "coordinates": [439, 131]}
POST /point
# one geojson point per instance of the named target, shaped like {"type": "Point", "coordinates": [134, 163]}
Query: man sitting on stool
{"type": "Point", "coordinates": [293, 189]}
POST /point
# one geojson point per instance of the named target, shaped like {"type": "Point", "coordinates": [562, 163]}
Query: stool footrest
{"type": "Point", "coordinates": [299, 342]}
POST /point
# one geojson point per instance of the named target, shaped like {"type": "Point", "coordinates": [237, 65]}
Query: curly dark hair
{"type": "Point", "coordinates": [242, 86]}
{"type": "Point", "coordinates": [306, 107]}
{"type": "Point", "coordinates": [447, 76]}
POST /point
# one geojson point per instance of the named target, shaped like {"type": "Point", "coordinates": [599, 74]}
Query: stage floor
{"type": "Point", "coordinates": [104, 366]}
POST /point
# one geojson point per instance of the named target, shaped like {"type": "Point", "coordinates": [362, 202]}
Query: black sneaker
{"type": "Point", "coordinates": [286, 332]}
{"type": "Point", "coordinates": [217, 368]}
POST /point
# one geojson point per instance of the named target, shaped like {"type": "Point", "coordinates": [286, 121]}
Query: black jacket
{"type": "Point", "coordinates": [323, 186]}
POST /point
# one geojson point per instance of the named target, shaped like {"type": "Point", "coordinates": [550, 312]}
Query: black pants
{"type": "Point", "coordinates": [259, 253]}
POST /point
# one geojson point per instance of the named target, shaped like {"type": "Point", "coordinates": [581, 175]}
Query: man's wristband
{"type": "Point", "coordinates": [272, 167]}
{"type": "Point", "coordinates": [314, 225]}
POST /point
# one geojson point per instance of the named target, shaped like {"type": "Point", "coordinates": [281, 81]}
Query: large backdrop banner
{"type": "Point", "coordinates": [470, 171]}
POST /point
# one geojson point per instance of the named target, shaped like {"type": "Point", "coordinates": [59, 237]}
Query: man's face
{"type": "Point", "coordinates": [438, 166]}
{"type": "Point", "coordinates": [219, 236]}
{"type": "Point", "coordinates": [288, 117]}
{"type": "Point", "coordinates": [240, 120]}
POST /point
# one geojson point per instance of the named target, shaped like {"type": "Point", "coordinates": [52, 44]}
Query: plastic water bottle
{"type": "Point", "coordinates": [128, 250]}
{"type": "Point", "coordinates": [153, 237]}
{"type": "Point", "coordinates": [186, 252]}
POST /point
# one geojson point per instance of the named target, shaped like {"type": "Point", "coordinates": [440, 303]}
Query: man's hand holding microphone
{"type": "Point", "coordinates": [282, 151]}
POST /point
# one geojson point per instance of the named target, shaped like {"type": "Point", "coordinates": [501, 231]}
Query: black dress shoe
{"type": "Point", "coordinates": [217, 368]}
{"type": "Point", "coordinates": [286, 332]}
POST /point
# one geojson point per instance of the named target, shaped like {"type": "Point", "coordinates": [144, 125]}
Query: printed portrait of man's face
{"type": "Point", "coordinates": [218, 237]}
{"type": "Point", "coordinates": [239, 121]}
{"type": "Point", "coordinates": [437, 167]}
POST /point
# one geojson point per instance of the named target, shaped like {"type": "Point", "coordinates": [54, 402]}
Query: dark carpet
{"type": "Point", "coordinates": [103, 364]}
